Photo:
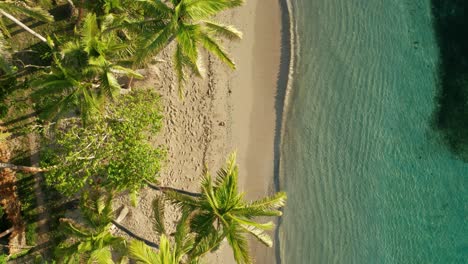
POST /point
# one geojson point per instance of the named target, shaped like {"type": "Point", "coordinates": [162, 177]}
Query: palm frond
{"type": "Point", "coordinates": [263, 226]}
{"type": "Point", "coordinates": [207, 242]}
{"type": "Point", "coordinates": [165, 254]}
{"type": "Point", "coordinates": [202, 222]}
{"type": "Point", "coordinates": [186, 40]}
{"type": "Point", "coordinates": [180, 199]}
{"type": "Point", "coordinates": [259, 234]}
{"type": "Point", "coordinates": [52, 85]}
{"type": "Point", "coordinates": [142, 253]}
{"type": "Point", "coordinates": [89, 32]}
{"type": "Point", "coordinates": [154, 45]}
{"type": "Point", "coordinates": [225, 31]}
{"type": "Point", "coordinates": [226, 185]}
{"type": "Point", "coordinates": [3, 27]}
{"type": "Point", "coordinates": [110, 86]}
{"type": "Point", "coordinates": [239, 245]}
{"type": "Point", "coordinates": [156, 8]}
{"type": "Point", "coordinates": [100, 204]}
{"type": "Point", "coordinates": [251, 212]}
{"type": "Point", "coordinates": [179, 68]}
{"type": "Point", "coordinates": [208, 192]}
{"type": "Point", "coordinates": [182, 228]}
{"type": "Point", "coordinates": [158, 215]}
{"type": "Point", "coordinates": [256, 229]}
{"type": "Point", "coordinates": [125, 71]}
{"type": "Point", "coordinates": [276, 201]}
{"type": "Point", "coordinates": [21, 8]}
{"type": "Point", "coordinates": [201, 9]}
{"type": "Point", "coordinates": [210, 44]}
{"type": "Point", "coordinates": [97, 209]}
{"type": "Point", "coordinates": [196, 66]}
{"type": "Point", "coordinates": [74, 229]}
{"type": "Point", "coordinates": [101, 256]}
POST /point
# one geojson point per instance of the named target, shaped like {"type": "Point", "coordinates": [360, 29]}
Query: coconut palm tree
{"type": "Point", "coordinates": [9, 7]}
{"type": "Point", "coordinates": [83, 75]}
{"type": "Point", "coordinates": [174, 252]}
{"type": "Point", "coordinates": [92, 241]}
{"type": "Point", "coordinates": [189, 24]}
{"type": "Point", "coordinates": [221, 212]}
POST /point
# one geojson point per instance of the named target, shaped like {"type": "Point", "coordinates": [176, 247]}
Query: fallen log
{"type": "Point", "coordinates": [21, 168]}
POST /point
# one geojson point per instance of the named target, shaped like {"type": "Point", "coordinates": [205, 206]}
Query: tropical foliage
{"type": "Point", "coordinates": [92, 240]}
{"type": "Point", "coordinates": [221, 212]}
{"type": "Point", "coordinates": [141, 253]}
{"type": "Point", "coordinates": [189, 24]}
{"type": "Point", "coordinates": [85, 71]}
{"type": "Point", "coordinates": [100, 136]}
{"type": "Point", "coordinates": [112, 152]}
{"type": "Point", "coordinates": [183, 241]}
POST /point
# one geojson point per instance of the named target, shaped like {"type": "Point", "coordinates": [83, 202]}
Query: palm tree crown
{"type": "Point", "coordinates": [86, 70]}
{"type": "Point", "coordinates": [188, 23]}
{"type": "Point", "coordinates": [221, 212]}
{"type": "Point", "coordinates": [169, 253]}
{"type": "Point", "coordinates": [92, 241]}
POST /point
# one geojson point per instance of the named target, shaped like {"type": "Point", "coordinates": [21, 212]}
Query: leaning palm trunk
{"type": "Point", "coordinates": [19, 23]}
{"type": "Point", "coordinates": [6, 232]}
{"type": "Point", "coordinates": [21, 168]}
{"type": "Point", "coordinates": [80, 12]}
{"type": "Point", "coordinates": [166, 189]}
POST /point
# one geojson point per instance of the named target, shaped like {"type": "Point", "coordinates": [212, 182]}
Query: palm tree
{"type": "Point", "coordinates": [93, 241]}
{"type": "Point", "coordinates": [20, 7]}
{"type": "Point", "coordinates": [83, 74]}
{"type": "Point", "coordinates": [183, 241]}
{"type": "Point", "coordinates": [188, 23]}
{"type": "Point", "coordinates": [221, 212]}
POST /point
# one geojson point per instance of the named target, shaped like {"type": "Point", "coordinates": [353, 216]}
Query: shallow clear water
{"type": "Point", "coordinates": [368, 179]}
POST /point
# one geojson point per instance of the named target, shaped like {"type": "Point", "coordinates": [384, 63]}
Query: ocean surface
{"type": "Point", "coordinates": [368, 178]}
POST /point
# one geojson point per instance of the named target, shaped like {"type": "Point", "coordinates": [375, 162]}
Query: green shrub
{"type": "Point", "coordinates": [3, 259]}
{"type": "Point", "coordinates": [31, 234]}
{"type": "Point", "coordinates": [113, 152]}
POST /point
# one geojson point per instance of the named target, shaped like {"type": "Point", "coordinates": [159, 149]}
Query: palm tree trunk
{"type": "Point", "coordinates": [21, 168]}
{"type": "Point", "coordinates": [70, 2]}
{"type": "Point", "coordinates": [19, 23]}
{"type": "Point", "coordinates": [6, 232]}
{"type": "Point", "coordinates": [162, 189]}
{"type": "Point", "coordinates": [71, 7]}
{"type": "Point", "coordinates": [80, 12]}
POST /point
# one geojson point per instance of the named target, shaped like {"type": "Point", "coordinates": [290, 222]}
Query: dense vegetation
{"type": "Point", "coordinates": [96, 140]}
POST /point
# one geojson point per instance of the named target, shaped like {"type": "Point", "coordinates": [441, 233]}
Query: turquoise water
{"type": "Point", "coordinates": [368, 179]}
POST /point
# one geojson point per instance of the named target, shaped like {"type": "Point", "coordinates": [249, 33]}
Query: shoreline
{"type": "Point", "coordinates": [263, 103]}
{"type": "Point", "coordinates": [285, 85]}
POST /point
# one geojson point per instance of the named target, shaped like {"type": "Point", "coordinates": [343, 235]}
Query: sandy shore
{"type": "Point", "coordinates": [227, 111]}
{"type": "Point", "coordinates": [254, 87]}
